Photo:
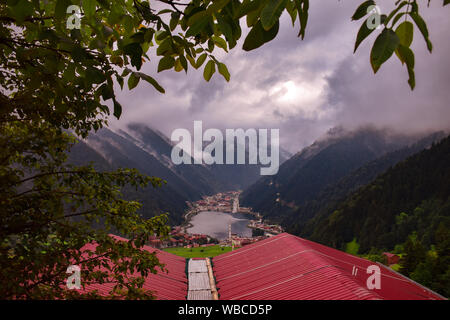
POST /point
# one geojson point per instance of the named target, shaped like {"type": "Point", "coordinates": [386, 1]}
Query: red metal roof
{"type": "Point", "coordinates": [286, 267]}
{"type": "Point", "coordinates": [166, 286]}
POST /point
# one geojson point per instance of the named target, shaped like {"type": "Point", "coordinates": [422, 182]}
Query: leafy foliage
{"type": "Point", "coordinates": [390, 40]}
{"type": "Point", "coordinates": [49, 210]}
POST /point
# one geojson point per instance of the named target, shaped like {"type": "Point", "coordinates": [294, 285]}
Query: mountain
{"type": "Point", "coordinates": [303, 220]}
{"type": "Point", "coordinates": [149, 151]}
{"type": "Point", "coordinates": [307, 173]}
{"type": "Point", "coordinates": [200, 177]}
{"type": "Point", "coordinates": [109, 151]}
{"type": "Point", "coordinates": [241, 176]}
{"type": "Point", "coordinates": [411, 196]}
{"type": "Point", "coordinates": [405, 210]}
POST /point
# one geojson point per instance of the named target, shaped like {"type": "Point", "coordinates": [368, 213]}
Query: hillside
{"type": "Point", "coordinates": [309, 172]}
{"type": "Point", "coordinates": [155, 201]}
{"type": "Point", "coordinates": [149, 151]}
{"type": "Point", "coordinates": [411, 196]}
{"type": "Point", "coordinates": [405, 210]}
{"type": "Point", "coordinates": [109, 150]}
{"type": "Point", "coordinates": [304, 219]}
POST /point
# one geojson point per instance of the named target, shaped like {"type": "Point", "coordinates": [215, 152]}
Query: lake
{"type": "Point", "coordinates": [215, 224]}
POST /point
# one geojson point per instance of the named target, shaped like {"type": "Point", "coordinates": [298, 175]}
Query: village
{"type": "Point", "coordinates": [227, 202]}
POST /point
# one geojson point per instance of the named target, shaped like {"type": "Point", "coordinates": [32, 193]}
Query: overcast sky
{"type": "Point", "coordinates": [304, 88]}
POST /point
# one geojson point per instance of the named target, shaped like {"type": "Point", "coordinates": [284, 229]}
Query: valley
{"type": "Point", "coordinates": [333, 192]}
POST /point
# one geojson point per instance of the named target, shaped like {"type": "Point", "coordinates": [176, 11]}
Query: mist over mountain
{"type": "Point", "coordinates": [108, 150]}
{"type": "Point", "coordinates": [303, 219]}
{"type": "Point", "coordinates": [325, 162]}
{"type": "Point", "coordinates": [410, 196]}
{"type": "Point", "coordinates": [306, 183]}
{"type": "Point", "coordinates": [149, 151]}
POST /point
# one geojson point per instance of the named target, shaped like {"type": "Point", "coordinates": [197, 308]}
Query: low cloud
{"type": "Point", "coordinates": [304, 88]}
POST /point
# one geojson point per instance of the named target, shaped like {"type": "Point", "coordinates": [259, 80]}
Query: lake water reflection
{"type": "Point", "coordinates": [215, 224]}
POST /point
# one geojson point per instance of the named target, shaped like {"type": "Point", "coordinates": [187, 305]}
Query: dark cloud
{"type": "Point", "coordinates": [305, 87]}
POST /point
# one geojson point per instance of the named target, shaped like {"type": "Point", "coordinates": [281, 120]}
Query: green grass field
{"type": "Point", "coordinates": [200, 252]}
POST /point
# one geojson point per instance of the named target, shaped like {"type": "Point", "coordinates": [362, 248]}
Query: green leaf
{"type": "Point", "coordinates": [152, 81]}
{"type": "Point", "coordinates": [405, 33]}
{"type": "Point", "coordinates": [420, 23]}
{"type": "Point", "coordinates": [164, 11]}
{"type": "Point", "coordinates": [292, 10]}
{"type": "Point", "coordinates": [126, 72]}
{"type": "Point", "coordinates": [258, 36]}
{"type": "Point", "coordinates": [220, 42]}
{"type": "Point", "coordinates": [446, 2]}
{"type": "Point", "coordinates": [198, 26]}
{"type": "Point", "coordinates": [361, 11]}
{"type": "Point", "coordinates": [133, 80]}
{"type": "Point", "coordinates": [191, 60]}
{"type": "Point", "coordinates": [393, 12]}
{"type": "Point", "coordinates": [69, 73]}
{"type": "Point", "coordinates": [223, 70]}
{"type": "Point", "coordinates": [164, 47]}
{"type": "Point", "coordinates": [117, 108]}
{"type": "Point", "coordinates": [302, 8]}
{"type": "Point", "coordinates": [157, 33]}
{"type": "Point", "coordinates": [178, 66]}
{"type": "Point", "coordinates": [252, 17]}
{"type": "Point", "coordinates": [217, 5]}
{"type": "Point", "coordinates": [162, 35]}
{"type": "Point", "coordinates": [226, 29]}
{"type": "Point", "coordinates": [383, 48]}
{"type": "Point", "coordinates": [398, 17]}
{"type": "Point", "coordinates": [246, 7]}
{"type": "Point", "coordinates": [213, 8]}
{"type": "Point", "coordinates": [61, 8]}
{"type": "Point", "coordinates": [271, 13]}
{"type": "Point", "coordinates": [166, 63]}
{"type": "Point", "coordinates": [120, 81]}
{"type": "Point", "coordinates": [364, 32]}
{"type": "Point", "coordinates": [106, 91]}
{"type": "Point", "coordinates": [21, 10]}
{"type": "Point", "coordinates": [134, 50]}
{"type": "Point", "coordinates": [89, 7]}
{"type": "Point", "coordinates": [412, 78]}
{"type": "Point", "coordinates": [94, 75]}
{"type": "Point", "coordinates": [183, 62]}
{"type": "Point", "coordinates": [210, 45]}
{"type": "Point", "coordinates": [197, 17]}
{"type": "Point", "coordinates": [209, 70]}
{"type": "Point", "coordinates": [200, 60]}
{"type": "Point", "coordinates": [406, 55]}
{"type": "Point", "coordinates": [175, 17]}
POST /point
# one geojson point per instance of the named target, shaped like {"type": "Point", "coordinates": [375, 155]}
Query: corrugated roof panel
{"type": "Point", "coordinates": [283, 267]}
{"type": "Point", "coordinates": [289, 267]}
{"type": "Point", "coordinates": [199, 281]}
{"type": "Point", "coordinates": [197, 266]}
{"type": "Point", "coordinates": [168, 285]}
{"type": "Point", "coordinates": [199, 295]}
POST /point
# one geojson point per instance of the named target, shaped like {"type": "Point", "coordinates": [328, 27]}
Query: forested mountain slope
{"type": "Point", "coordinates": [110, 150]}
{"type": "Point", "coordinates": [411, 196]}
{"type": "Point", "coordinates": [303, 220]}
{"type": "Point", "coordinates": [309, 172]}
{"type": "Point", "coordinates": [405, 210]}
{"type": "Point", "coordinates": [149, 151]}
